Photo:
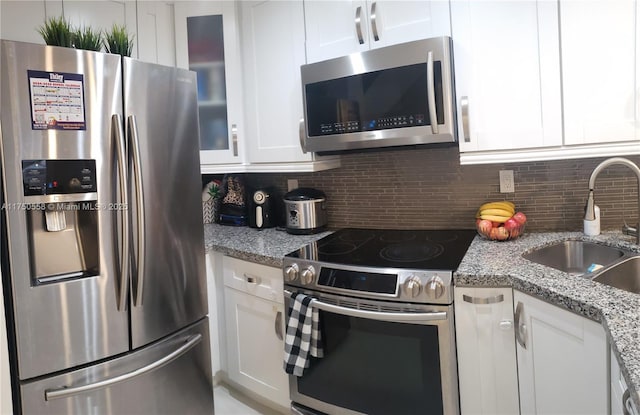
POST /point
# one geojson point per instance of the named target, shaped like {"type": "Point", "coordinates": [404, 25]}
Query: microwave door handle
{"type": "Point", "coordinates": [303, 135]}
{"type": "Point", "coordinates": [431, 94]}
{"type": "Point", "coordinates": [464, 106]}
{"type": "Point", "coordinates": [117, 127]}
{"type": "Point", "coordinates": [358, 22]}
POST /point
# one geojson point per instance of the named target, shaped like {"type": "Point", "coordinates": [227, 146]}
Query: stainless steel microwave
{"type": "Point", "coordinates": [393, 96]}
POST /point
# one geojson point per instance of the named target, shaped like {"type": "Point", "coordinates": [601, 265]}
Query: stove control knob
{"type": "Point", "coordinates": [412, 286]}
{"type": "Point", "coordinates": [308, 275]}
{"type": "Point", "coordinates": [291, 272]}
{"type": "Point", "coordinates": [434, 287]}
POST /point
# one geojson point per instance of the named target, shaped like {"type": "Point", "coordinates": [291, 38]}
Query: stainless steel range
{"type": "Point", "coordinates": [385, 298]}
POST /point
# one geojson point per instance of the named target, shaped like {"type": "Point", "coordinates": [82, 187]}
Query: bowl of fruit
{"type": "Point", "coordinates": [499, 221]}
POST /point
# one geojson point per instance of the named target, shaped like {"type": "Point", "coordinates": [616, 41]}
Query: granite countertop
{"type": "Point", "coordinates": [490, 263]}
{"type": "Point", "coordinates": [265, 246]}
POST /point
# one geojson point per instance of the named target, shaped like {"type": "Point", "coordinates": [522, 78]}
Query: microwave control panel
{"type": "Point", "coordinates": [399, 121]}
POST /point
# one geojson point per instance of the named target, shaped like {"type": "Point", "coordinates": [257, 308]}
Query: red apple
{"type": "Point", "coordinates": [511, 224]}
{"type": "Point", "coordinates": [499, 233]}
{"type": "Point", "coordinates": [484, 227]}
{"type": "Point", "coordinates": [520, 217]}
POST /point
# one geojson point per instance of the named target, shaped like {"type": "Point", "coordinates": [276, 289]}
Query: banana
{"type": "Point", "coordinates": [509, 206]}
{"type": "Point", "coordinates": [497, 212]}
{"type": "Point", "coordinates": [494, 218]}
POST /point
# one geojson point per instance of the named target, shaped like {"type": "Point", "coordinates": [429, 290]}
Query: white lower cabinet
{"type": "Point", "coordinates": [562, 360]}
{"type": "Point", "coordinates": [213, 265]}
{"type": "Point", "coordinates": [618, 387]}
{"type": "Point", "coordinates": [621, 402]}
{"type": "Point", "coordinates": [254, 317]}
{"type": "Point", "coordinates": [485, 343]}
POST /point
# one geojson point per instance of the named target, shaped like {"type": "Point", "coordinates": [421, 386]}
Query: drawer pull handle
{"type": "Point", "coordinates": [488, 300]}
{"type": "Point", "coordinates": [251, 279]}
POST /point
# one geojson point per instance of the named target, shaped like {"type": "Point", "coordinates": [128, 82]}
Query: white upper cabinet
{"type": "Point", "coordinates": [338, 28]}
{"type": "Point", "coordinates": [20, 20]}
{"type": "Point", "coordinates": [156, 36]}
{"type": "Point", "coordinates": [207, 43]}
{"type": "Point", "coordinates": [507, 71]}
{"type": "Point", "coordinates": [546, 80]}
{"type": "Point", "coordinates": [600, 71]}
{"type": "Point", "coordinates": [273, 50]}
{"type": "Point", "coordinates": [102, 15]}
{"type": "Point", "coordinates": [272, 53]}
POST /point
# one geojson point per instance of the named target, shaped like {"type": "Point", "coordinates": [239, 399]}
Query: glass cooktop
{"type": "Point", "coordinates": [385, 248]}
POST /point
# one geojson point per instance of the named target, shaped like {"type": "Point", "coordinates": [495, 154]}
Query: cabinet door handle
{"type": "Point", "coordinates": [464, 107]}
{"type": "Point", "coordinates": [234, 139]}
{"type": "Point", "coordinates": [278, 324]}
{"type": "Point", "coordinates": [488, 300]}
{"type": "Point", "coordinates": [251, 279]}
{"type": "Point", "coordinates": [626, 409]}
{"type": "Point", "coordinates": [431, 94]}
{"type": "Point", "coordinates": [374, 25]}
{"type": "Point", "coordinates": [358, 21]}
{"type": "Point", "coordinates": [521, 328]}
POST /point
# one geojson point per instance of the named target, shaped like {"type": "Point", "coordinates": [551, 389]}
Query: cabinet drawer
{"type": "Point", "coordinates": [255, 279]}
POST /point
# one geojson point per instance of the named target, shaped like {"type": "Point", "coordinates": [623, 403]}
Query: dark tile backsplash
{"type": "Point", "coordinates": [427, 188]}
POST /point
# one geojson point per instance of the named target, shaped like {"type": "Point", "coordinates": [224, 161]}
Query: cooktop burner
{"type": "Point", "coordinates": [385, 248]}
{"type": "Point", "coordinates": [411, 252]}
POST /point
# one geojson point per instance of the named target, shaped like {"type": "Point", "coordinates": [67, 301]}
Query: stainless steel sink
{"type": "Point", "coordinates": [624, 275]}
{"type": "Point", "coordinates": [575, 257]}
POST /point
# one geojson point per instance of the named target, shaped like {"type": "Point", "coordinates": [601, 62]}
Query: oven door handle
{"type": "Point", "coordinates": [376, 315]}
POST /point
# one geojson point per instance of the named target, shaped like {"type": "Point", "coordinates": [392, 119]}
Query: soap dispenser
{"type": "Point", "coordinates": [592, 227]}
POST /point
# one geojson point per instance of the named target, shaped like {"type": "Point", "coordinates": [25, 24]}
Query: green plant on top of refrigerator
{"type": "Point", "coordinates": [117, 41]}
{"type": "Point", "coordinates": [56, 31]}
{"type": "Point", "coordinates": [88, 39]}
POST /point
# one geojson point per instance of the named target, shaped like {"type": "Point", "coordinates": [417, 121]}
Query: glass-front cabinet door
{"type": "Point", "coordinates": [207, 43]}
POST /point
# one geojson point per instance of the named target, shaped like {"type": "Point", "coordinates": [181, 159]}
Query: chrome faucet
{"type": "Point", "coordinates": [590, 213]}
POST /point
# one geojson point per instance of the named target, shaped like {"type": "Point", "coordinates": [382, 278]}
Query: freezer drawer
{"type": "Point", "coordinates": [172, 376]}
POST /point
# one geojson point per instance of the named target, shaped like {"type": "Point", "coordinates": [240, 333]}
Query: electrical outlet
{"type": "Point", "coordinates": [292, 184]}
{"type": "Point", "coordinates": [507, 184]}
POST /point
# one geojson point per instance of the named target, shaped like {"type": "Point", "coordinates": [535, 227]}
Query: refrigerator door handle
{"type": "Point", "coordinates": [66, 392]}
{"type": "Point", "coordinates": [118, 134]}
{"type": "Point", "coordinates": [140, 209]}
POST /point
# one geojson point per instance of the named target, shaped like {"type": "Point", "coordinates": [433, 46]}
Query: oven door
{"type": "Point", "coordinates": [380, 358]}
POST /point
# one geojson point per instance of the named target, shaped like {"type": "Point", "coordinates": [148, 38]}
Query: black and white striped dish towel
{"type": "Point", "coordinates": [303, 338]}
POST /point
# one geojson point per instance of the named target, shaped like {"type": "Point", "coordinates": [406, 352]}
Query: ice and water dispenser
{"type": "Point", "coordinates": [62, 219]}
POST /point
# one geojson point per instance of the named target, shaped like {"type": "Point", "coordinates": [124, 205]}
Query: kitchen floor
{"type": "Point", "coordinates": [229, 402]}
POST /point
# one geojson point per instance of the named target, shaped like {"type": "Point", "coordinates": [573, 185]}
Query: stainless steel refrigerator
{"type": "Point", "coordinates": [102, 236]}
